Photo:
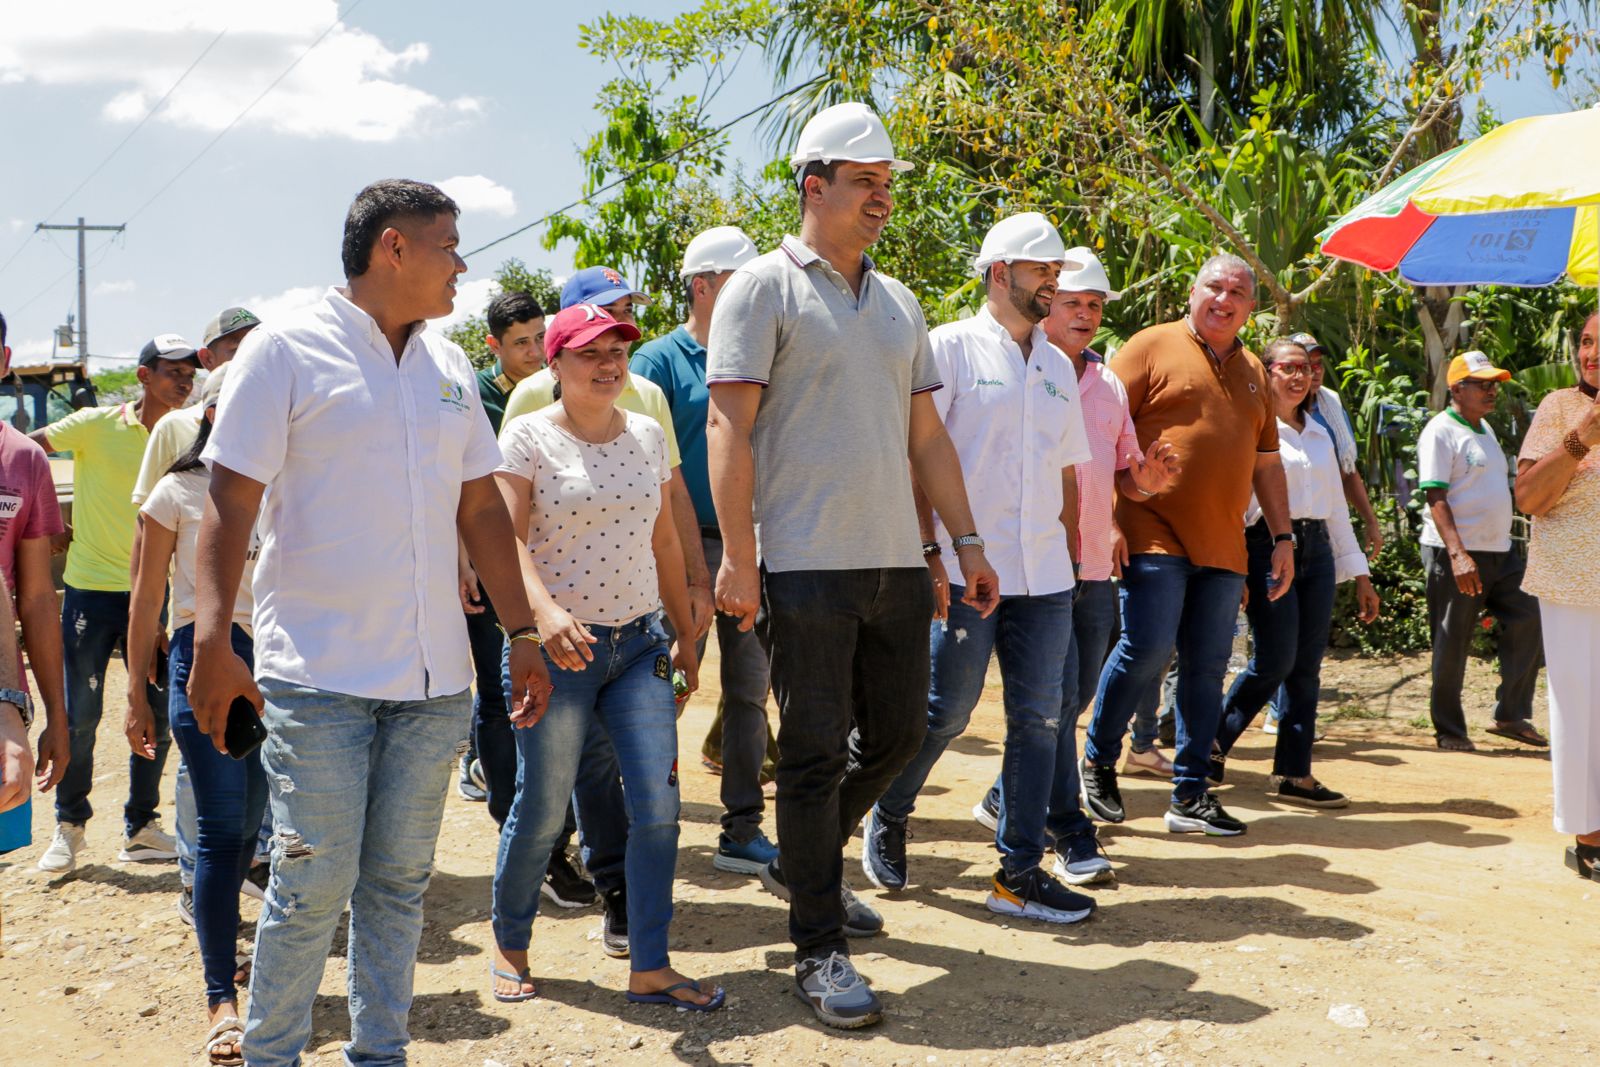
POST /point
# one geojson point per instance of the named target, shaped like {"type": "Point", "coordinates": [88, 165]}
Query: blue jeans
{"type": "Point", "coordinates": [1032, 636]}
{"type": "Point", "coordinates": [491, 728]}
{"type": "Point", "coordinates": [1168, 602]}
{"type": "Point", "coordinates": [627, 690]}
{"type": "Point", "coordinates": [1289, 637]}
{"type": "Point", "coordinates": [596, 807]}
{"type": "Point", "coordinates": [357, 792]}
{"type": "Point", "coordinates": [229, 796]}
{"type": "Point", "coordinates": [93, 623]}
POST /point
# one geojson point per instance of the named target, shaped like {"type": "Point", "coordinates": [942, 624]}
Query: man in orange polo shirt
{"type": "Point", "coordinates": [1193, 383]}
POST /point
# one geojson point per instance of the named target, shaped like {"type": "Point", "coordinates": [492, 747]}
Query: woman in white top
{"type": "Point", "coordinates": [584, 481]}
{"type": "Point", "coordinates": [1289, 635]}
{"type": "Point", "coordinates": [1558, 483]}
{"type": "Point", "coordinates": [229, 794]}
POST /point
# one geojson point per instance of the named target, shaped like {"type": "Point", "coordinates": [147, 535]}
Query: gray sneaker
{"type": "Point", "coordinates": [838, 995]}
{"type": "Point", "coordinates": [860, 918]}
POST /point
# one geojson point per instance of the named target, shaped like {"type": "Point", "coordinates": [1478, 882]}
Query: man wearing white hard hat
{"type": "Point", "coordinates": [819, 369]}
{"type": "Point", "coordinates": [1116, 464]}
{"type": "Point", "coordinates": [677, 363]}
{"type": "Point", "coordinates": [1010, 404]}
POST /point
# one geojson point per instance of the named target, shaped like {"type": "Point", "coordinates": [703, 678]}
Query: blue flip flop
{"type": "Point", "coordinates": [517, 997]}
{"type": "Point", "coordinates": [664, 996]}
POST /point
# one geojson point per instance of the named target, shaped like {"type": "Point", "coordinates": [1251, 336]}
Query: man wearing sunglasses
{"type": "Point", "coordinates": [1469, 559]}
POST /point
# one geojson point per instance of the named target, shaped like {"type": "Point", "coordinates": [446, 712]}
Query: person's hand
{"type": "Point", "coordinates": [217, 678]}
{"type": "Point", "coordinates": [941, 587]}
{"type": "Point", "coordinates": [1119, 551]}
{"type": "Point", "coordinates": [685, 659]}
{"type": "Point", "coordinates": [1157, 471]}
{"type": "Point", "coordinates": [982, 583]}
{"type": "Point", "coordinates": [156, 657]}
{"type": "Point", "coordinates": [468, 590]}
{"type": "Point", "coordinates": [60, 542]}
{"type": "Point", "coordinates": [1588, 427]}
{"type": "Point", "coordinates": [1367, 603]}
{"type": "Point", "coordinates": [702, 609]}
{"type": "Point", "coordinates": [1282, 573]}
{"type": "Point", "coordinates": [16, 761]}
{"type": "Point", "coordinates": [139, 725]}
{"type": "Point", "coordinates": [1374, 531]}
{"type": "Point", "coordinates": [1465, 568]}
{"type": "Point", "coordinates": [530, 684]}
{"type": "Point", "coordinates": [739, 591]}
{"type": "Point", "coordinates": [55, 752]}
{"type": "Point", "coordinates": [566, 640]}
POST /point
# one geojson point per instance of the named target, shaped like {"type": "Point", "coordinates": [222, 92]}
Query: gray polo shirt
{"type": "Point", "coordinates": [832, 484]}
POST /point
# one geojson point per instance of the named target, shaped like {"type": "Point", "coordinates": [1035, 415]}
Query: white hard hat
{"type": "Point", "coordinates": [1026, 236]}
{"type": "Point", "coordinates": [716, 250]}
{"type": "Point", "coordinates": [1090, 277]}
{"type": "Point", "coordinates": [845, 132]}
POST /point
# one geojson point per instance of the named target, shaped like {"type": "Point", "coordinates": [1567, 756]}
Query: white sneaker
{"type": "Point", "coordinates": [1150, 761]}
{"type": "Point", "coordinates": [150, 843]}
{"type": "Point", "coordinates": [62, 855]}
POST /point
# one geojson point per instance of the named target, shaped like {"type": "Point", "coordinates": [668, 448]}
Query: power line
{"type": "Point", "coordinates": [635, 172]}
{"type": "Point", "coordinates": [337, 21]}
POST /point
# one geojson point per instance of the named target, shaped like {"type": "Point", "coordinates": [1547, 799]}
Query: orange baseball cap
{"type": "Point", "coordinates": [1475, 365]}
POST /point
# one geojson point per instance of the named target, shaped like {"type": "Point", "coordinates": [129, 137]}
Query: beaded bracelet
{"type": "Point", "coordinates": [1574, 446]}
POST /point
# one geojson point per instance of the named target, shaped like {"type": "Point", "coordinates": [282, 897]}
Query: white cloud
{"type": "Point", "coordinates": [267, 308]}
{"type": "Point", "coordinates": [471, 298]}
{"type": "Point", "coordinates": [476, 193]}
{"type": "Point", "coordinates": [351, 85]}
{"type": "Point", "coordinates": [127, 285]}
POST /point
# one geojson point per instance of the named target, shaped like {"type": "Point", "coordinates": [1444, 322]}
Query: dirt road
{"type": "Point", "coordinates": [1430, 921]}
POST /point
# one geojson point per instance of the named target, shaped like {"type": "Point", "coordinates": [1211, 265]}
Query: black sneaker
{"type": "Point", "coordinates": [255, 881]}
{"type": "Point", "coordinates": [1202, 815]}
{"type": "Point", "coordinates": [772, 878]}
{"type": "Point", "coordinates": [1219, 766]}
{"type": "Point", "coordinates": [564, 886]}
{"type": "Point", "coordinates": [1318, 796]}
{"type": "Point", "coordinates": [614, 924]}
{"type": "Point", "coordinates": [1035, 895]}
{"type": "Point", "coordinates": [987, 810]}
{"type": "Point", "coordinates": [1167, 731]}
{"type": "Point", "coordinates": [466, 787]}
{"type": "Point", "coordinates": [883, 850]}
{"type": "Point", "coordinates": [186, 904]}
{"type": "Point", "coordinates": [1098, 791]}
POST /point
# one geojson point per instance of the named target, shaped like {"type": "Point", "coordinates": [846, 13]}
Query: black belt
{"type": "Point", "coordinates": [1303, 528]}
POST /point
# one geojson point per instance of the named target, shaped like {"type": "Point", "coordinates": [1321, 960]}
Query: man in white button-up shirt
{"type": "Point", "coordinates": [1011, 406]}
{"type": "Point", "coordinates": [368, 439]}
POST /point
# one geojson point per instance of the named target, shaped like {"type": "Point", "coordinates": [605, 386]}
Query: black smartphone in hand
{"type": "Point", "coordinates": [245, 731]}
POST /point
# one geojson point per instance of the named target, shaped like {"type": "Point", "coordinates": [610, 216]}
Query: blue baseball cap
{"type": "Point", "coordinates": [599, 285]}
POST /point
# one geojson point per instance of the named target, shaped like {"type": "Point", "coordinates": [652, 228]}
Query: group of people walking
{"type": "Point", "coordinates": [351, 529]}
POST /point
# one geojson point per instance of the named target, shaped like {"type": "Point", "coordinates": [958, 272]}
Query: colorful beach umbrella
{"type": "Point", "coordinates": [1518, 206]}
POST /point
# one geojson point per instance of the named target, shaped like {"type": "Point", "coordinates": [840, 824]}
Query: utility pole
{"type": "Point", "coordinates": [83, 284]}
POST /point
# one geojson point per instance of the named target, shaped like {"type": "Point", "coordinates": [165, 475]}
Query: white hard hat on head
{"type": "Point", "coordinates": [716, 250]}
{"type": "Point", "coordinates": [1026, 236]}
{"type": "Point", "coordinates": [850, 133]}
{"type": "Point", "coordinates": [1088, 278]}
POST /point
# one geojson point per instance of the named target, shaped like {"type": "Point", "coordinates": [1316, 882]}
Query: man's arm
{"type": "Point", "coordinates": [702, 608]}
{"type": "Point", "coordinates": [1355, 494]}
{"type": "Point", "coordinates": [1272, 493]}
{"type": "Point", "coordinates": [936, 467]}
{"type": "Point", "coordinates": [40, 615]}
{"type": "Point", "coordinates": [1069, 511]}
{"type": "Point", "coordinates": [16, 761]}
{"type": "Point", "coordinates": [218, 675]}
{"type": "Point", "coordinates": [936, 571]}
{"type": "Point", "coordinates": [1462, 565]}
{"type": "Point", "coordinates": [41, 437]}
{"type": "Point", "coordinates": [485, 529]}
{"type": "Point", "coordinates": [730, 419]}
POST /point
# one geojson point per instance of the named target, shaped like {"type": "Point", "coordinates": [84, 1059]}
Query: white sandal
{"type": "Point", "coordinates": [228, 1031]}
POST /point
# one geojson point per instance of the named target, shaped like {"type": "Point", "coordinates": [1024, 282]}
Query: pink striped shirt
{"type": "Point", "coordinates": [1111, 442]}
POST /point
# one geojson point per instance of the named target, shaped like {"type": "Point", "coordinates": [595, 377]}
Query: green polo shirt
{"type": "Point", "coordinates": [107, 445]}
{"type": "Point", "coordinates": [494, 388]}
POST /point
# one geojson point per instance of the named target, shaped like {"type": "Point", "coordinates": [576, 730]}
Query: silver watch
{"type": "Point", "coordinates": [23, 702]}
{"type": "Point", "coordinates": [970, 540]}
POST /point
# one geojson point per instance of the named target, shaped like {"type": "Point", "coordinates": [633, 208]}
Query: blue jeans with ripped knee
{"type": "Point", "coordinates": [357, 791]}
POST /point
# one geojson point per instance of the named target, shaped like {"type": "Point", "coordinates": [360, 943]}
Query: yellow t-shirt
{"type": "Point", "coordinates": [639, 395]}
{"type": "Point", "coordinates": [174, 432]}
{"type": "Point", "coordinates": [106, 445]}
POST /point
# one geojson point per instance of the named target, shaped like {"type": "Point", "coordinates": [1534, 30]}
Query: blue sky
{"type": "Point", "coordinates": [496, 96]}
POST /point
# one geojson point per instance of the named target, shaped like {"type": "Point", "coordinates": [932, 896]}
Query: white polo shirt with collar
{"type": "Point", "coordinates": [363, 458]}
{"type": "Point", "coordinates": [1016, 424]}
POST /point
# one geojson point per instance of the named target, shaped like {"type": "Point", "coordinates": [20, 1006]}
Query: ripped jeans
{"type": "Point", "coordinates": [1031, 635]}
{"type": "Point", "coordinates": [357, 790]}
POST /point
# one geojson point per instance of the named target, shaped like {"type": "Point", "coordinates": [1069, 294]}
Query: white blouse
{"type": "Point", "coordinates": [1316, 491]}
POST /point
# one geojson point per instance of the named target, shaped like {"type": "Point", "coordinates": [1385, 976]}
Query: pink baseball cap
{"type": "Point", "coordinates": [576, 326]}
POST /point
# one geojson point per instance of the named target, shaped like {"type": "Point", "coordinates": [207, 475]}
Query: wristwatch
{"type": "Point", "coordinates": [1278, 539]}
{"type": "Point", "coordinates": [23, 702]}
{"type": "Point", "coordinates": [971, 540]}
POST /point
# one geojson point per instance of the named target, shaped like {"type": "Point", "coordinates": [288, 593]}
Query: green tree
{"type": "Point", "coordinates": [511, 277]}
